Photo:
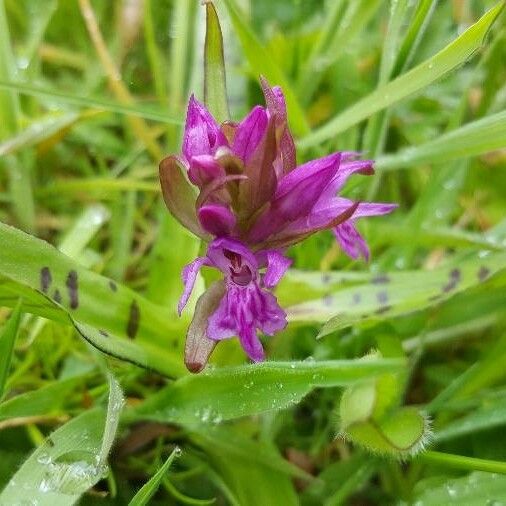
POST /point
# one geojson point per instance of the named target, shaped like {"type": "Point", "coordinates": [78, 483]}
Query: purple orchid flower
{"type": "Point", "coordinates": [237, 186]}
{"type": "Point", "coordinates": [247, 304]}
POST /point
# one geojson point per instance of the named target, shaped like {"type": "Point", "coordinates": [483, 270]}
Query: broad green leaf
{"type": "Point", "coordinates": [72, 459]}
{"type": "Point", "coordinates": [57, 97]}
{"type": "Point", "coordinates": [230, 442]}
{"type": "Point", "coordinates": [47, 400]}
{"type": "Point", "coordinates": [251, 483]}
{"type": "Point", "coordinates": [476, 489]}
{"type": "Point", "coordinates": [80, 294]}
{"type": "Point", "coordinates": [476, 138]}
{"type": "Point", "coordinates": [7, 339]}
{"type": "Point", "coordinates": [215, 83]}
{"type": "Point", "coordinates": [261, 63]}
{"type": "Point", "coordinates": [232, 392]}
{"type": "Point", "coordinates": [397, 293]}
{"type": "Point", "coordinates": [147, 491]}
{"type": "Point", "coordinates": [453, 55]}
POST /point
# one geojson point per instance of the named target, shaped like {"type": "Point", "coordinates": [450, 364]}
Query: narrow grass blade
{"type": "Point", "coordinates": [473, 139]}
{"type": "Point", "coordinates": [144, 495]}
{"type": "Point", "coordinates": [262, 63]}
{"type": "Point", "coordinates": [7, 339]}
{"type": "Point", "coordinates": [48, 400]}
{"type": "Point", "coordinates": [215, 81]}
{"type": "Point", "coordinates": [38, 131]}
{"type": "Point", "coordinates": [58, 97]}
{"type": "Point", "coordinates": [411, 82]}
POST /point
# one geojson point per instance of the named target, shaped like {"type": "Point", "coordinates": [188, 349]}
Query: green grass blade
{"type": "Point", "coordinates": [215, 81]}
{"type": "Point", "coordinates": [148, 490]}
{"type": "Point", "coordinates": [7, 340]}
{"type": "Point", "coordinates": [473, 139]}
{"type": "Point", "coordinates": [453, 55]}
{"type": "Point", "coordinates": [60, 97]}
{"type": "Point", "coordinates": [232, 392]}
{"type": "Point", "coordinates": [70, 461]}
{"type": "Point", "coordinates": [88, 223]}
{"type": "Point", "coordinates": [38, 131]}
{"type": "Point", "coordinates": [45, 401]}
{"type": "Point", "coordinates": [262, 63]}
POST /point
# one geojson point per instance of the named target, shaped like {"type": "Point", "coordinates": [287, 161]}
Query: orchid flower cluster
{"type": "Point", "coordinates": [237, 186]}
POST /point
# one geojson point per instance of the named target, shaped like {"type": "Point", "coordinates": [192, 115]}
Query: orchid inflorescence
{"type": "Point", "coordinates": [237, 186]}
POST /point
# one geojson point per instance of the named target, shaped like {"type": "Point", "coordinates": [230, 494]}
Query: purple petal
{"type": "Point", "coordinates": [204, 169]}
{"type": "Point", "coordinates": [202, 134]}
{"type": "Point", "coordinates": [350, 240]}
{"type": "Point", "coordinates": [268, 315]}
{"type": "Point", "coordinates": [262, 180]}
{"type": "Point", "coordinates": [297, 193]}
{"type": "Point", "coordinates": [242, 310]}
{"type": "Point", "coordinates": [216, 219]}
{"type": "Point", "coordinates": [251, 343]}
{"type": "Point", "coordinates": [223, 322]}
{"type": "Point", "coordinates": [327, 211]}
{"type": "Point", "coordinates": [277, 264]}
{"type": "Point", "coordinates": [249, 133]}
{"type": "Point", "coordinates": [189, 275]}
{"type": "Point", "coordinates": [219, 252]}
{"type": "Point", "coordinates": [374, 209]}
{"type": "Point", "coordinates": [346, 169]}
{"type": "Point", "coordinates": [299, 190]}
{"type": "Point", "coordinates": [276, 105]}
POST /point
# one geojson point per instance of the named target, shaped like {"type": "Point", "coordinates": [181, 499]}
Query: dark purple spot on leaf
{"type": "Point", "coordinates": [326, 278]}
{"type": "Point", "coordinates": [453, 281]}
{"type": "Point", "coordinates": [356, 298]}
{"type": "Point", "coordinates": [382, 297]}
{"type": "Point", "coordinates": [113, 286]}
{"type": "Point", "coordinates": [483, 273]}
{"type": "Point", "coordinates": [327, 300]}
{"type": "Point", "coordinates": [57, 296]}
{"type": "Point", "coordinates": [72, 287]}
{"type": "Point", "coordinates": [45, 279]}
{"type": "Point", "coordinates": [103, 333]}
{"type": "Point", "coordinates": [383, 309]}
{"type": "Point", "coordinates": [133, 320]}
{"type": "Point", "coordinates": [380, 279]}
{"type": "Point", "coordinates": [435, 297]}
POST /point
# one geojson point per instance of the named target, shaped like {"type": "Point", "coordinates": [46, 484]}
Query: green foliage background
{"type": "Point", "coordinates": [92, 96]}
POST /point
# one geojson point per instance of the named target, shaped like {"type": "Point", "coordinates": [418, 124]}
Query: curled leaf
{"type": "Point", "coordinates": [369, 417]}
{"type": "Point", "coordinates": [199, 347]}
{"type": "Point", "coordinates": [179, 195]}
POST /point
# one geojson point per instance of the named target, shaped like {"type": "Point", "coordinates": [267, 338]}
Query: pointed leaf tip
{"type": "Point", "coordinates": [215, 86]}
{"type": "Point", "coordinates": [198, 347]}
